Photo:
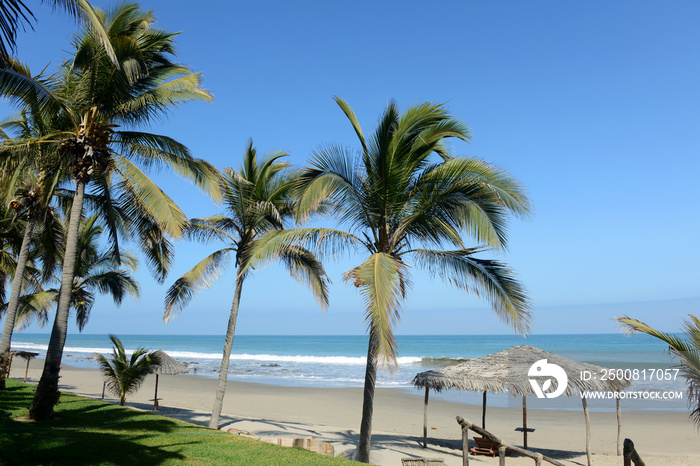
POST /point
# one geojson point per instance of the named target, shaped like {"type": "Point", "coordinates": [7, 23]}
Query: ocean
{"type": "Point", "coordinates": [339, 361]}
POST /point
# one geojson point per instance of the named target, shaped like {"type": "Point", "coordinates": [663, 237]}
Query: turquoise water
{"type": "Point", "coordinates": [338, 361]}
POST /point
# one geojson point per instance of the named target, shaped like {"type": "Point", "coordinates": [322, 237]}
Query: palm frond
{"type": "Point", "coordinates": [383, 282]}
{"type": "Point", "coordinates": [200, 277]}
{"type": "Point", "coordinates": [151, 198]}
{"type": "Point", "coordinates": [162, 151]}
{"type": "Point", "coordinates": [304, 267]}
{"type": "Point", "coordinates": [353, 120]}
{"type": "Point", "coordinates": [326, 242]}
{"type": "Point", "coordinates": [493, 280]}
{"type": "Point", "coordinates": [686, 350]}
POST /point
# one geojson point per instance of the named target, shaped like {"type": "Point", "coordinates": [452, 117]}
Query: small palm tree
{"type": "Point", "coordinates": [124, 375]}
{"type": "Point", "coordinates": [405, 197]}
{"type": "Point", "coordinates": [687, 350]}
{"type": "Point", "coordinates": [258, 200]}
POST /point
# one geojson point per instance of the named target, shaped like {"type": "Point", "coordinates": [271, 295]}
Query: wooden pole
{"type": "Point", "coordinates": [631, 454]}
{"type": "Point", "coordinates": [155, 397]}
{"type": "Point", "coordinates": [483, 413]}
{"type": "Point", "coordinates": [26, 371]}
{"type": "Point", "coordinates": [619, 427]}
{"type": "Point", "coordinates": [524, 422]}
{"type": "Point", "coordinates": [501, 455]}
{"type": "Point", "coordinates": [588, 429]}
{"type": "Point", "coordinates": [425, 418]}
{"type": "Point", "coordinates": [465, 445]}
{"type": "Point", "coordinates": [104, 384]}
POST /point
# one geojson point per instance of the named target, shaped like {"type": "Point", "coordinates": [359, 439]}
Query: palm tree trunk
{"type": "Point", "coordinates": [368, 397]}
{"type": "Point", "coordinates": [223, 373]}
{"type": "Point", "coordinates": [47, 394]}
{"type": "Point", "coordinates": [14, 301]}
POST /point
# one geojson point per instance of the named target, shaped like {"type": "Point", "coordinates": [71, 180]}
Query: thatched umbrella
{"type": "Point", "coordinates": [26, 355]}
{"type": "Point", "coordinates": [508, 371]}
{"type": "Point", "coordinates": [167, 366]}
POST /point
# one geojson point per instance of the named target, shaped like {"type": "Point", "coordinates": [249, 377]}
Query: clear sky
{"type": "Point", "coordinates": [594, 106]}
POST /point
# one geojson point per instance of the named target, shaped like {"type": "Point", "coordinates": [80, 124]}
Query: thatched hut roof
{"type": "Point", "coordinates": [168, 365]}
{"type": "Point", "coordinates": [508, 370]}
{"type": "Point", "coordinates": [27, 355]}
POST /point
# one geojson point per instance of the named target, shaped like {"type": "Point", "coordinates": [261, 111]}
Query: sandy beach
{"type": "Point", "coordinates": [333, 415]}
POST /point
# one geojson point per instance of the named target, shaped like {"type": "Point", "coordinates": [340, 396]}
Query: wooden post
{"type": "Point", "coordinates": [588, 429]}
{"type": "Point", "coordinates": [483, 413]}
{"type": "Point", "coordinates": [465, 446]}
{"type": "Point", "coordinates": [425, 418]}
{"type": "Point", "coordinates": [26, 371]}
{"type": "Point", "coordinates": [155, 400]}
{"type": "Point", "coordinates": [524, 422]}
{"type": "Point", "coordinates": [619, 426]}
{"type": "Point", "coordinates": [501, 455]}
{"type": "Point", "coordinates": [631, 454]}
{"type": "Point", "coordinates": [104, 384]}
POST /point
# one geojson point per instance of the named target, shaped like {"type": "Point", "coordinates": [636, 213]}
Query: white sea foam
{"type": "Point", "coordinates": [301, 359]}
{"type": "Point", "coordinates": [193, 356]}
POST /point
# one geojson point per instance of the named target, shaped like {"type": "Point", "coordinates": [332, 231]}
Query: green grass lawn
{"type": "Point", "coordinates": [88, 431]}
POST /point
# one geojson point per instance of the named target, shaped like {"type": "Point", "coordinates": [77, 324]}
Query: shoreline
{"type": "Point", "coordinates": [333, 415]}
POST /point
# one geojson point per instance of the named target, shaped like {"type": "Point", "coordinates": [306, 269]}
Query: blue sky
{"type": "Point", "coordinates": [593, 106]}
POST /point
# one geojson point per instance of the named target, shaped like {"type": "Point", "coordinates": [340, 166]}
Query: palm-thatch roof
{"type": "Point", "coordinates": [508, 371]}
{"type": "Point", "coordinates": [168, 365]}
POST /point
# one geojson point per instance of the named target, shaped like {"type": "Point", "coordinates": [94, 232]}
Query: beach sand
{"type": "Point", "coordinates": [333, 415]}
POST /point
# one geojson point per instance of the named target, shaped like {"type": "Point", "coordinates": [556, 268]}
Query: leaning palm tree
{"type": "Point", "coordinates": [402, 196]}
{"type": "Point", "coordinates": [687, 350]}
{"type": "Point", "coordinates": [123, 374]}
{"type": "Point", "coordinates": [89, 101]}
{"type": "Point", "coordinates": [32, 204]}
{"type": "Point", "coordinates": [258, 200]}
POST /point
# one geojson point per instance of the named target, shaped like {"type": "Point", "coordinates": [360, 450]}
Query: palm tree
{"type": "Point", "coordinates": [687, 350]}
{"type": "Point", "coordinates": [15, 14]}
{"type": "Point", "coordinates": [92, 98]}
{"type": "Point", "coordinates": [124, 375]}
{"type": "Point", "coordinates": [258, 203]}
{"type": "Point", "coordinates": [32, 204]}
{"type": "Point", "coordinates": [95, 273]}
{"type": "Point", "coordinates": [399, 202]}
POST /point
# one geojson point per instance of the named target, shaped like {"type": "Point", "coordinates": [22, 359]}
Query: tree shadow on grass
{"type": "Point", "coordinates": [76, 447]}
{"type": "Point", "coordinates": [13, 398]}
{"type": "Point", "coordinates": [94, 433]}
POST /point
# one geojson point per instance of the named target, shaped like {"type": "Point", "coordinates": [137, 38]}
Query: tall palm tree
{"type": "Point", "coordinates": [123, 374]}
{"type": "Point", "coordinates": [15, 14]}
{"type": "Point", "coordinates": [31, 194]}
{"type": "Point", "coordinates": [258, 201]}
{"type": "Point", "coordinates": [687, 350]}
{"type": "Point", "coordinates": [91, 98]}
{"type": "Point", "coordinates": [30, 204]}
{"type": "Point", "coordinates": [403, 194]}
